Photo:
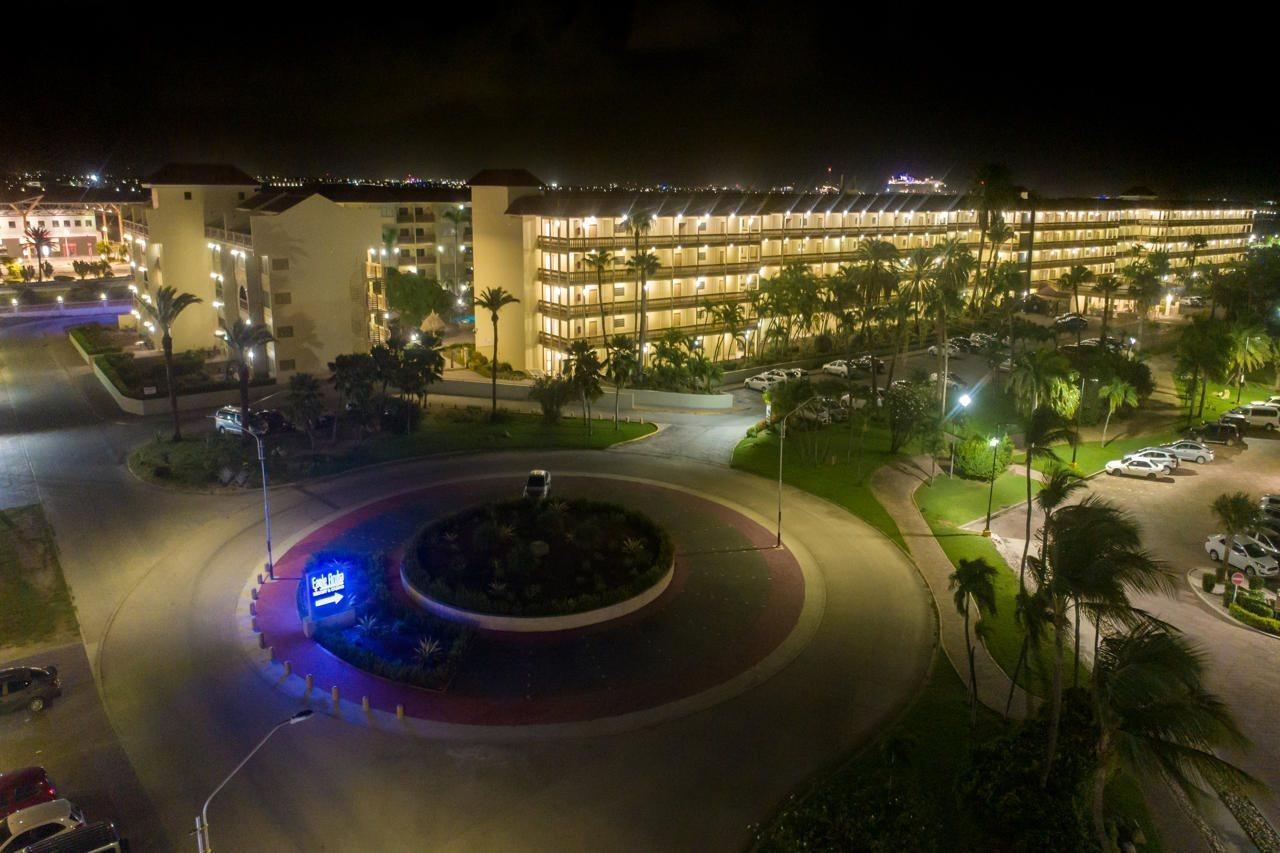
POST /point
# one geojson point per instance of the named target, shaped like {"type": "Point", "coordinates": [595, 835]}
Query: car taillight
{"type": "Point", "coordinates": [50, 790]}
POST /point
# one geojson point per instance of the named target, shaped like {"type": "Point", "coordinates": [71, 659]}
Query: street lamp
{"type": "Point", "coordinates": [202, 820]}
{"type": "Point", "coordinates": [994, 444]}
{"type": "Point", "coordinates": [782, 440]}
{"type": "Point", "coordinates": [266, 504]}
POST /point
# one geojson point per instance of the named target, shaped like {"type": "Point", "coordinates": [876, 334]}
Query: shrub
{"type": "Point", "coordinates": [1262, 623]}
{"type": "Point", "coordinates": [552, 394]}
{"type": "Point", "coordinates": [1256, 582]}
{"type": "Point", "coordinates": [94, 338]}
{"type": "Point", "coordinates": [1208, 582]}
{"type": "Point", "coordinates": [973, 458]}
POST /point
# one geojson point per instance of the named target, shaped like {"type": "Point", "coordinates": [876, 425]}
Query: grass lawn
{"type": "Point", "coordinates": [842, 477]}
{"type": "Point", "coordinates": [196, 462]}
{"type": "Point", "coordinates": [959, 501]}
{"type": "Point", "coordinates": [1092, 456]}
{"type": "Point", "coordinates": [37, 604]}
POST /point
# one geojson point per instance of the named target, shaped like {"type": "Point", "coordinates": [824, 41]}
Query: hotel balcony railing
{"type": "Point", "coordinates": [136, 228]}
{"type": "Point", "coordinates": [655, 303]}
{"type": "Point", "coordinates": [232, 238]}
{"type": "Point", "coordinates": [560, 342]}
{"type": "Point", "coordinates": [1187, 223]}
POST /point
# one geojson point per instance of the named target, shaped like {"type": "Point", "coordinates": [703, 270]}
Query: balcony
{"type": "Point", "coordinates": [655, 303]}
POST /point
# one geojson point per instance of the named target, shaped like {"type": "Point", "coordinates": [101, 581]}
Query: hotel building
{"type": "Point", "coordinates": [296, 259]}
{"type": "Point", "coordinates": [76, 219]}
{"type": "Point", "coordinates": [715, 248]}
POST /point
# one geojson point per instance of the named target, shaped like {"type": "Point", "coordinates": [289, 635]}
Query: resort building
{"type": "Point", "coordinates": [304, 261]}
{"type": "Point", "coordinates": [76, 219]}
{"type": "Point", "coordinates": [715, 247]}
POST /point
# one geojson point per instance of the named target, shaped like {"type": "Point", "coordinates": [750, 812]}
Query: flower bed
{"type": "Point", "coordinates": [96, 339]}
{"type": "Point", "coordinates": [528, 558]}
{"type": "Point", "coordinates": [132, 376]}
{"type": "Point", "coordinates": [390, 638]}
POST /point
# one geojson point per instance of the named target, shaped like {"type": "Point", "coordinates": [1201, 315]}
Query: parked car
{"type": "Point", "coordinates": [1273, 400]}
{"type": "Point", "coordinates": [851, 402]}
{"type": "Point", "coordinates": [1110, 343]}
{"type": "Point", "coordinates": [953, 351]}
{"type": "Point", "coordinates": [538, 486]}
{"type": "Point", "coordinates": [1264, 417]}
{"type": "Point", "coordinates": [787, 373]}
{"type": "Point", "coordinates": [1004, 365]}
{"type": "Point", "coordinates": [839, 367]}
{"type": "Point", "coordinates": [97, 837]}
{"type": "Point", "coordinates": [1250, 557]}
{"type": "Point", "coordinates": [261, 421]}
{"type": "Point", "coordinates": [38, 822]}
{"type": "Point", "coordinates": [952, 383]}
{"type": "Point", "coordinates": [1167, 458]}
{"type": "Point", "coordinates": [1192, 451]}
{"type": "Point", "coordinates": [983, 339]}
{"type": "Point", "coordinates": [227, 420]}
{"type": "Point", "coordinates": [25, 787]}
{"type": "Point", "coordinates": [1267, 538]}
{"type": "Point", "coordinates": [1033, 304]}
{"type": "Point", "coordinates": [272, 421]}
{"type": "Point", "coordinates": [1191, 301]}
{"type": "Point", "coordinates": [964, 343]}
{"type": "Point", "coordinates": [1070, 321]}
{"type": "Point", "coordinates": [837, 410]}
{"type": "Point", "coordinates": [1269, 514]}
{"type": "Point", "coordinates": [1216, 433]}
{"type": "Point", "coordinates": [760, 382]}
{"type": "Point", "coordinates": [1137, 468]}
{"type": "Point", "coordinates": [30, 687]}
{"type": "Point", "coordinates": [867, 362]}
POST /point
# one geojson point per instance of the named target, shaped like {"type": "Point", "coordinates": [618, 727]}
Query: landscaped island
{"type": "Point", "coordinates": [537, 558]}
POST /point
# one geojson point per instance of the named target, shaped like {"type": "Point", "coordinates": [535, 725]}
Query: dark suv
{"type": "Point", "coordinates": [1216, 433]}
{"type": "Point", "coordinates": [29, 687]}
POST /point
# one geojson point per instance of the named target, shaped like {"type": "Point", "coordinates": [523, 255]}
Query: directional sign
{"type": "Point", "coordinates": [327, 590]}
{"type": "Point", "coordinates": [1239, 579]}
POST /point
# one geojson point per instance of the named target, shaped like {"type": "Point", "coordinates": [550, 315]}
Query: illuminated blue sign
{"type": "Point", "coordinates": [327, 590]}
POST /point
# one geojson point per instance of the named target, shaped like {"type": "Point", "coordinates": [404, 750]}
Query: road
{"type": "Point", "coordinates": [157, 576]}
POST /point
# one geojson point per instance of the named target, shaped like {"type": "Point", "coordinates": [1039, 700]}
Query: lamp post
{"type": "Point", "coordinates": [203, 844]}
{"type": "Point", "coordinates": [965, 401]}
{"type": "Point", "coordinates": [994, 444]}
{"type": "Point", "coordinates": [782, 440]}
{"type": "Point", "coordinates": [266, 504]}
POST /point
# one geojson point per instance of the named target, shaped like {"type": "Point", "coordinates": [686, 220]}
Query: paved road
{"type": "Point", "coordinates": [156, 577]}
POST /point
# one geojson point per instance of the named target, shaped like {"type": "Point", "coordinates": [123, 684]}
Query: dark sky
{"type": "Point", "coordinates": [688, 92]}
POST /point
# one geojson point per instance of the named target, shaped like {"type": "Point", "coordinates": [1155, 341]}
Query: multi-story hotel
{"type": "Point", "coordinates": [295, 259]}
{"type": "Point", "coordinates": [715, 247]}
{"type": "Point", "coordinates": [310, 262]}
{"type": "Point", "coordinates": [76, 219]}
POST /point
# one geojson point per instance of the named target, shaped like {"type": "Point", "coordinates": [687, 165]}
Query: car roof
{"type": "Point", "coordinates": [538, 472]}
{"type": "Point", "coordinates": [21, 775]}
{"type": "Point", "coordinates": [40, 813]}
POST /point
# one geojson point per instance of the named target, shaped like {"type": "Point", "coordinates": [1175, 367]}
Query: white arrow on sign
{"type": "Point", "coordinates": [328, 599]}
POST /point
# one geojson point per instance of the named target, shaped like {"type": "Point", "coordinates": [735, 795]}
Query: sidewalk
{"type": "Point", "coordinates": [893, 485]}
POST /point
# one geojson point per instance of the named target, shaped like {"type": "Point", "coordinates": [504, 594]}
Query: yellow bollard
{"type": "Point", "coordinates": [399, 712]}
{"type": "Point", "coordinates": [364, 703]}
{"type": "Point", "coordinates": [288, 668]}
{"type": "Point", "coordinates": [310, 683]}
{"type": "Point", "coordinates": [333, 692]}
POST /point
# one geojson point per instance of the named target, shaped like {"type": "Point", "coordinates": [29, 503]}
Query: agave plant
{"type": "Point", "coordinates": [369, 626]}
{"type": "Point", "coordinates": [428, 649]}
{"type": "Point", "coordinates": [633, 548]}
{"type": "Point", "coordinates": [497, 587]}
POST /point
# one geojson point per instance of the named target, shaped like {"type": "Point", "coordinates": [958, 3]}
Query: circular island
{"type": "Point", "coordinates": [525, 565]}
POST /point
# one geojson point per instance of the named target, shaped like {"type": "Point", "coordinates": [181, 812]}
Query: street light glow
{"type": "Point", "coordinates": [965, 400]}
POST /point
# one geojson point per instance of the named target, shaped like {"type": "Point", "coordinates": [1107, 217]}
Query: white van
{"type": "Point", "coordinates": [1267, 417]}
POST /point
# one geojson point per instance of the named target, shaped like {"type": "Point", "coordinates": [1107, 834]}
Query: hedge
{"type": "Point", "coordinates": [973, 458]}
{"type": "Point", "coordinates": [94, 338]}
{"type": "Point", "coordinates": [131, 375]}
{"type": "Point", "coordinates": [1262, 623]}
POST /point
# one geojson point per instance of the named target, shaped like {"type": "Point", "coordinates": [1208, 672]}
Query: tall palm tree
{"type": "Point", "coordinates": [1154, 714]}
{"type": "Point", "coordinates": [991, 190]}
{"type": "Point", "coordinates": [620, 365]}
{"type": "Point", "coordinates": [1117, 393]}
{"type": "Point", "coordinates": [1250, 348]}
{"type": "Point", "coordinates": [1144, 289]}
{"type": "Point", "coordinates": [241, 340]}
{"type": "Point", "coordinates": [642, 265]}
{"type": "Point", "coordinates": [583, 369]}
{"type": "Point", "coordinates": [999, 232]}
{"type": "Point", "coordinates": [164, 311]}
{"type": "Point", "coordinates": [1072, 279]}
{"type": "Point", "coordinates": [1236, 512]}
{"type": "Point", "coordinates": [973, 582]}
{"type": "Point", "coordinates": [1094, 554]}
{"type": "Point", "coordinates": [1107, 286]}
{"type": "Point", "coordinates": [458, 216]}
{"type": "Point", "coordinates": [1037, 378]}
{"type": "Point", "coordinates": [493, 300]}
{"type": "Point", "coordinates": [946, 297]}
{"type": "Point", "coordinates": [39, 239]}
{"type": "Point", "coordinates": [599, 261]}
{"type": "Point", "coordinates": [1042, 429]}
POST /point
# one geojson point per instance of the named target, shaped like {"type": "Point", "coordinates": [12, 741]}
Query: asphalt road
{"type": "Point", "coordinates": [156, 578]}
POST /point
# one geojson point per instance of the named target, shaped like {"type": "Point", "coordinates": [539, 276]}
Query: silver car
{"type": "Point", "coordinates": [1190, 451]}
{"type": "Point", "coordinates": [1156, 454]}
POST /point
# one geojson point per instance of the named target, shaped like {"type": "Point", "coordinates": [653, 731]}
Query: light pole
{"type": "Point", "coordinates": [203, 844]}
{"type": "Point", "coordinates": [266, 504]}
{"type": "Point", "coordinates": [965, 401]}
{"type": "Point", "coordinates": [782, 440]}
{"type": "Point", "coordinates": [994, 444]}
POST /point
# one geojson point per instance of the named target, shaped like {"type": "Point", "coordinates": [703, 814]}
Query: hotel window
{"type": "Point", "coordinates": [186, 196]}
{"type": "Point", "coordinates": [619, 322]}
{"type": "Point", "coordinates": [284, 331]}
{"type": "Point", "coordinates": [278, 299]}
{"type": "Point", "coordinates": [619, 290]}
{"type": "Point", "coordinates": [287, 364]}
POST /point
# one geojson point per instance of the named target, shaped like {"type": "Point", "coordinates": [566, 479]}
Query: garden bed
{"type": "Point", "coordinates": [390, 639]}
{"type": "Point", "coordinates": [98, 339]}
{"type": "Point", "coordinates": [531, 558]}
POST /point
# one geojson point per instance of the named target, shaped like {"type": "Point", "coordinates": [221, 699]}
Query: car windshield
{"type": "Point", "coordinates": [1253, 550]}
{"type": "Point", "coordinates": [537, 481]}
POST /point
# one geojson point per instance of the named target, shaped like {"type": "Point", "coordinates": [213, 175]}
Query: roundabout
{"type": "Point", "coordinates": [731, 611]}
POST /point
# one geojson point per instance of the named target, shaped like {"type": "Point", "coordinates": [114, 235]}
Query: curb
{"type": "Point", "coordinates": [1214, 603]}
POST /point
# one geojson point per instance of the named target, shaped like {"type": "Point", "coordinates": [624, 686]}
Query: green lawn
{"type": "Point", "coordinates": [843, 476]}
{"type": "Point", "coordinates": [195, 462]}
{"type": "Point", "coordinates": [959, 501]}
{"type": "Point", "coordinates": [36, 602]}
{"type": "Point", "coordinates": [1092, 456]}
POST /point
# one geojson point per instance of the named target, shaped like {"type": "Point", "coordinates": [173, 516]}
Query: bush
{"type": "Point", "coordinates": [131, 375]}
{"type": "Point", "coordinates": [1262, 623]}
{"type": "Point", "coordinates": [94, 338]}
{"type": "Point", "coordinates": [1208, 582]}
{"type": "Point", "coordinates": [973, 458]}
{"type": "Point", "coordinates": [552, 394]}
{"type": "Point", "coordinates": [1254, 603]}
{"type": "Point", "coordinates": [1256, 582]}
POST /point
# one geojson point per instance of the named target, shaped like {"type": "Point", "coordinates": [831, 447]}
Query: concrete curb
{"type": "Point", "coordinates": [1214, 603]}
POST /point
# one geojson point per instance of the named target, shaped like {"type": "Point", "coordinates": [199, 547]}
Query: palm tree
{"type": "Point", "coordinates": [1117, 393]}
{"type": "Point", "coordinates": [1037, 378]}
{"type": "Point", "coordinates": [973, 581]}
{"type": "Point", "coordinates": [303, 403]}
{"type": "Point", "coordinates": [39, 239]}
{"type": "Point", "coordinates": [583, 368]}
{"type": "Point", "coordinates": [946, 297]}
{"type": "Point", "coordinates": [642, 265]}
{"type": "Point", "coordinates": [1107, 286]}
{"type": "Point", "coordinates": [164, 311]}
{"type": "Point", "coordinates": [1236, 512]}
{"type": "Point", "coordinates": [493, 300]}
{"type": "Point", "coordinates": [1042, 429]}
{"type": "Point", "coordinates": [600, 260]}
{"type": "Point", "coordinates": [458, 216]}
{"type": "Point", "coordinates": [1196, 242]}
{"type": "Point", "coordinates": [241, 340]}
{"type": "Point", "coordinates": [992, 189]}
{"type": "Point", "coordinates": [1154, 714]}
{"type": "Point", "coordinates": [1250, 348]}
{"type": "Point", "coordinates": [620, 365]}
{"type": "Point", "coordinates": [1144, 289]}
{"type": "Point", "coordinates": [999, 232]}
{"type": "Point", "coordinates": [1072, 279]}
{"type": "Point", "coordinates": [1094, 554]}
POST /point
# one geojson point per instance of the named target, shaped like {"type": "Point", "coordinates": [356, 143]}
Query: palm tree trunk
{"type": "Point", "coordinates": [644, 325]}
{"type": "Point", "coordinates": [973, 673]}
{"type": "Point", "coordinates": [1055, 713]}
{"type": "Point", "coordinates": [166, 343]}
{"type": "Point", "coordinates": [1105, 424]}
{"type": "Point", "coordinates": [1075, 674]}
{"type": "Point", "coordinates": [244, 402]}
{"type": "Point", "coordinates": [1026, 545]}
{"type": "Point", "coordinates": [493, 371]}
{"type": "Point", "coordinates": [1097, 806]}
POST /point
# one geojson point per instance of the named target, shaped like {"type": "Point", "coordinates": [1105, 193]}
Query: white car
{"type": "Point", "coordinates": [36, 823]}
{"type": "Point", "coordinates": [851, 402]}
{"type": "Point", "coordinates": [1269, 500]}
{"type": "Point", "coordinates": [952, 383]}
{"type": "Point", "coordinates": [839, 367]}
{"type": "Point", "coordinates": [1158, 454]}
{"type": "Point", "coordinates": [538, 486]}
{"type": "Point", "coordinates": [1137, 468]}
{"type": "Point", "coordinates": [1004, 365]}
{"type": "Point", "coordinates": [761, 382]}
{"type": "Point", "coordinates": [1191, 451]}
{"type": "Point", "coordinates": [953, 351]}
{"type": "Point", "coordinates": [1248, 556]}
{"type": "Point", "coordinates": [1273, 400]}
{"type": "Point", "coordinates": [1268, 539]}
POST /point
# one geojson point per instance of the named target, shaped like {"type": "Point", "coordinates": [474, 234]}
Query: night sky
{"type": "Point", "coordinates": [683, 92]}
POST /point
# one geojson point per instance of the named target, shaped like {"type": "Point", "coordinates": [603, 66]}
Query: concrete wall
{"type": "Point", "coordinates": [505, 257]}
